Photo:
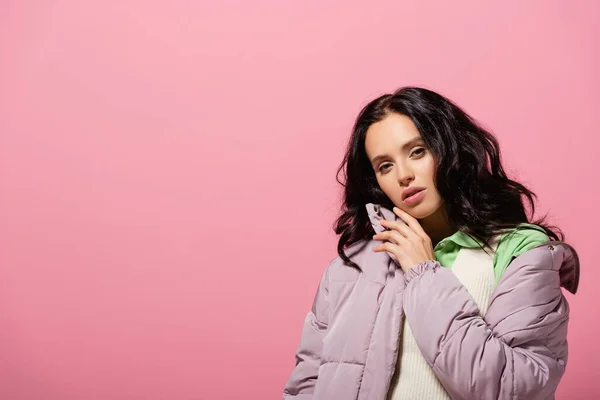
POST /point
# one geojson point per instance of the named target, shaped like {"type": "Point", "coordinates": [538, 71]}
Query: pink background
{"type": "Point", "coordinates": [167, 173]}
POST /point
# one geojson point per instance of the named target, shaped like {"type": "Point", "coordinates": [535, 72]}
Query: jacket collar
{"type": "Point", "coordinates": [463, 239]}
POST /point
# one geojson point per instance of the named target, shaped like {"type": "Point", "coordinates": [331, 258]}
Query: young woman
{"type": "Point", "coordinates": [442, 287]}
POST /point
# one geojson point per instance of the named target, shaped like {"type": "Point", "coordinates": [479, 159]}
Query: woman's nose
{"type": "Point", "coordinates": [405, 176]}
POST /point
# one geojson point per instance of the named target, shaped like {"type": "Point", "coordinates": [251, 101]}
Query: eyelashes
{"type": "Point", "coordinates": [416, 153]}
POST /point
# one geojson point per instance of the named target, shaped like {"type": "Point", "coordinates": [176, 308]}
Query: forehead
{"type": "Point", "coordinates": [392, 132]}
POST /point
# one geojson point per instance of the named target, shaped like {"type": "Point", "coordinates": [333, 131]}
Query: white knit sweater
{"type": "Point", "coordinates": [414, 378]}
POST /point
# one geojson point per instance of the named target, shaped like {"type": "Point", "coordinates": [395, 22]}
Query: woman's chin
{"type": "Point", "coordinates": [420, 211]}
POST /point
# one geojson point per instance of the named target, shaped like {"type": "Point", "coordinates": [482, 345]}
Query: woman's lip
{"type": "Point", "coordinates": [415, 197]}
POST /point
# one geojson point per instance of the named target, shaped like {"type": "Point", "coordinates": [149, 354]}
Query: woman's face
{"type": "Point", "coordinates": [401, 161]}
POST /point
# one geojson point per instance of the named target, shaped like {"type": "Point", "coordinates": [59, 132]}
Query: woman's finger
{"type": "Point", "coordinates": [387, 246]}
{"type": "Point", "coordinates": [411, 221]}
{"type": "Point", "coordinates": [398, 226]}
{"type": "Point", "coordinates": [391, 235]}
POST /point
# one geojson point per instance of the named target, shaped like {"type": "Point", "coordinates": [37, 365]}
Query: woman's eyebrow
{"type": "Point", "coordinates": [412, 142]}
{"type": "Point", "coordinates": [405, 146]}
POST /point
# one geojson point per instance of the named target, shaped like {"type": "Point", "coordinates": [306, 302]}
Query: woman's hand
{"type": "Point", "coordinates": [407, 241]}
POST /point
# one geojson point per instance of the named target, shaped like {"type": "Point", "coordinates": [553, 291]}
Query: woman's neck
{"type": "Point", "coordinates": [437, 226]}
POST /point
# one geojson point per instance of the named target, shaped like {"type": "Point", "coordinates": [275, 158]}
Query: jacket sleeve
{"type": "Point", "coordinates": [517, 351]}
{"type": "Point", "coordinates": [301, 383]}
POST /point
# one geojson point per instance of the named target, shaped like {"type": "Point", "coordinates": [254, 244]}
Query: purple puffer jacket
{"type": "Point", "coordinates": [349, 343]}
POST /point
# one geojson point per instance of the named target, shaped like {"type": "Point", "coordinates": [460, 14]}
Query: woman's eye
{"type": "Point", "coordinates": [418, 152]}
{"type": "Point", "coordinates": [383, 167]}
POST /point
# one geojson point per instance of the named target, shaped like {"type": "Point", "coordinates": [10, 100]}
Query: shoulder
{"type": "Point", "coordinates": [374, 265]}
{"type": "Point", "coordinates": [516, 242]}
{"type": "Point", "coordinates": [555, 259]}
{"type": "Point", "coordinates": [521, 239]}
